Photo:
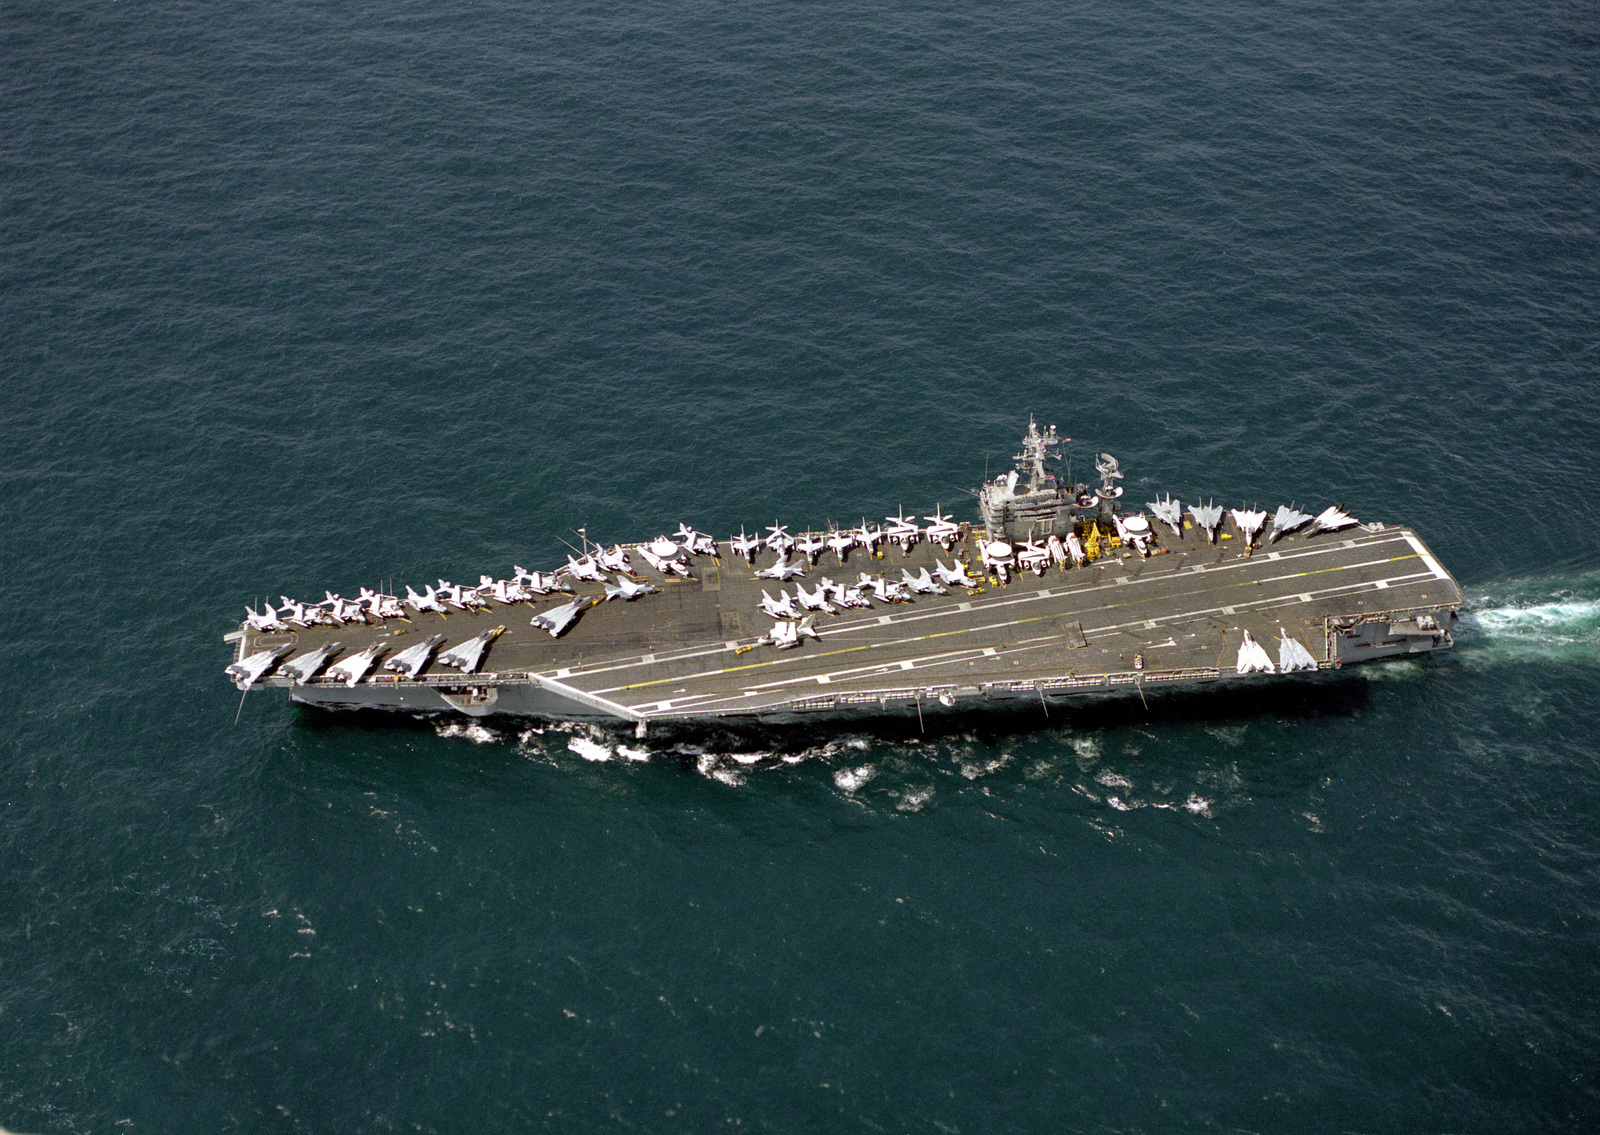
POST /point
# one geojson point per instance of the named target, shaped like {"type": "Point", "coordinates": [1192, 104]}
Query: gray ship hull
{"type": "Point", "coordinates": [1124, 624]}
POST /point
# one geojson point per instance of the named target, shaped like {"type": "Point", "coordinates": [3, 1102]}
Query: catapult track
{"type": "Point", "coordinates": [1124, 622]}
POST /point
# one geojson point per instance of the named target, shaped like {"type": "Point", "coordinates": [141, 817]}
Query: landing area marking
{"type": "Point", "coordinates": [1263, 604]}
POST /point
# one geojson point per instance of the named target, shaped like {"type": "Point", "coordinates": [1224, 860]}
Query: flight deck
{"type": "Point", "coordinates": [697, 648]}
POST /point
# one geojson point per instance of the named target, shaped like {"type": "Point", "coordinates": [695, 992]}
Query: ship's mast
{"type": "Point", "coordinates": [1036, 449]}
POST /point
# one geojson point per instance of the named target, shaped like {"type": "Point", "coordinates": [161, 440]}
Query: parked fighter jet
{"type": "Point", "coordinates": [507, 592]}
{"type": "Point", "coordinates": [746, 546]}
{"type": "Point", "coordinates": [354, 668]}
{"type": "Point", "coordinates": [853, 597]}
{"type": "Point", "coordinates": [813, 601]}
{"type": "Point", "coordinates": [304, 668]}
{"type": "Point", "coordinates": [783, 570]}
{"type": "Point", "coordinates": [1291, 655]}
{"type": "Point", "coordinates": [868, 536]}
{"type": "Point", "coordinates": [469, 654]}
{"type": "Point", "coordinates": [942, 530]}
{"type": "Point", "coordinates": [844, 596]}
{"type": "Point", "coordinates": [1331, 519]}
{"type": "Point", "coordinates": [267, 621]}
{"type": "Point", "coordinates": [584, 567]}
{"type": "Point", "coordinates": [779, 541]}
{"type": "Point", "coordinates": [345, 610]}
{"type": "Point", "coordinates": [316, 615]}
{"type": "Point", "coordinates": [538, 582]}
{"type": "Point", "coordinates": [1285, 521]}
{"type": "Point", "coordinates": [786, 635]}
{"type": "Point", "coordinates": [1075, 549]}
{"type": "Point", "coordinates": [887, 590]}
{"type": "Point", "coordinates": [421, 603]}
{"type": "Point", "coordinates": [248, 671]}
{"type": "Point", "coordinates": [698, 543]}
{"type": "Point", "coordinates": [780, 608]}
{"type": "Point", "coordinates": [295, 612]}
{"type": "Point", "coordinates": [841, 543]}
{"type": "Point", "coordinates": [870, 583]}
{"type": "Point", "coordinates": [627, 589]}
{"type": "Point", "coordinates": [956, 574]}
{"type": "Point", "coordinates": [461, 598]}
{"type": "Point", "coordinates": [558, 619]}
{"type": "Point", "coordinates": [339, 610]}
{"type": "Point", "coordinates": [810, 545]}
{"type": "Point", "coordinates": [1208, 517]}
{"type": "Point", "coordinates": [1252, 658]}
{"type": "Point", "coordinates": [411, 661]}
{"type": "Point", "coordinates": [379, 605]}
{"type": "Point", "coordinates": [922, 583]}
{"type": "Point", "coordinates": [615, 560]}
{"type": "Point", "coordinates": [1250, 524]}
{"type": "Point", "coordinates": [1031, 556]}
{"type": "Point", "coordinates": [903, 531]}
{"type": "Point", "coordinates": [1170, 513]}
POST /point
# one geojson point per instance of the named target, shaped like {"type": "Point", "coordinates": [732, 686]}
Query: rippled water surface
{"type": "Point", "coordinates": [302, 296]}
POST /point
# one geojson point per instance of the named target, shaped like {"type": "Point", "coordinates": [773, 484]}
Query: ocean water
{"type": "Point", "coordinates": [312, 294]}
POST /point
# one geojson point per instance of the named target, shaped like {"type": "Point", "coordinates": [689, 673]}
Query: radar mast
{"type": "Point", "coordinates": [1036, 450]}
{"type": "Point", "coordinates": [1110, 474]}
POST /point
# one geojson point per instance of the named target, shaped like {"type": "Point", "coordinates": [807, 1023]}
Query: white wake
{"type": "Point", "coordinates": [1546, 618]}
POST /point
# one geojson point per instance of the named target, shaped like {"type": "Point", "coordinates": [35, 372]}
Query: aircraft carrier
{"type": "Point", "coordinates": [1058, 592]}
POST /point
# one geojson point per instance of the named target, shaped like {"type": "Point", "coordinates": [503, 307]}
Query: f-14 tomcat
{"type": "Point", "coordinates": [1056, 592]}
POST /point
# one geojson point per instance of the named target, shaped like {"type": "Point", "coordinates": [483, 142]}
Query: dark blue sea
{"type": "Point", "coordinates": [300, 295]}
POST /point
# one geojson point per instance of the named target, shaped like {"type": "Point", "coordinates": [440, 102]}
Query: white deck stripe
{"type": "Point", "coordinates": [1001, 600]}
{"type": "Point", "coordinates": [944, 657]}
{"type": "Point", "coordinates": [1433, 564]}
{"type": "Point", "coordinates": [998, 601]}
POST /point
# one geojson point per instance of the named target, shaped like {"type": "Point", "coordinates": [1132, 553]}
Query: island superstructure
{"type": "Point", "coordinates": [1056, 593]}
